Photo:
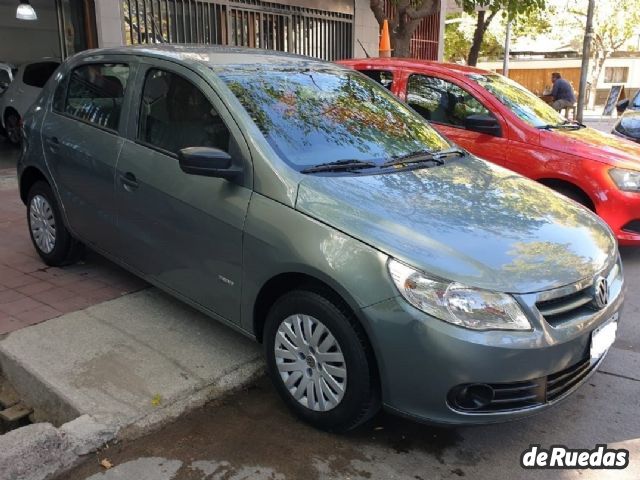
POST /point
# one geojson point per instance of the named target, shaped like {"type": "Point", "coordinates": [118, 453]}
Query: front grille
{"type": "Point", "coordinates": [561, 309]}
{"type": "Point", "coordinates": [560, 383]}
{"type": "Point", "coordinates": [576, 302]}
{"type": "Point", "coordinates": [516, 396]}
{"type": "Point", "coordinates": [632, 227]}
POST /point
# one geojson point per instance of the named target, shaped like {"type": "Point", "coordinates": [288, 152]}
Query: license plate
{"type": "Point", "coordinates": [603, 337]}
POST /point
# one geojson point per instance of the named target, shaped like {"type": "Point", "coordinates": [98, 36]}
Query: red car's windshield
{"type": "Point", "coordinates": [519, 100]}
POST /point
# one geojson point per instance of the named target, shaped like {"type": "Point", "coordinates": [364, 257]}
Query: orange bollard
{"type": "Point", "coordinates": [385, 41]}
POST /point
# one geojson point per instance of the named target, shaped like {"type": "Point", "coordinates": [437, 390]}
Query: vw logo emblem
{"type": "Point", "coordinates": [601, 293]}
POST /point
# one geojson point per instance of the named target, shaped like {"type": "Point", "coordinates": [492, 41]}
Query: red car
{"type": "Point", "coordinates": [499, 120]}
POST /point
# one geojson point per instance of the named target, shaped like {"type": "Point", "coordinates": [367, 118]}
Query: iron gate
{"type": "Point", "coordinates": [249, 23]}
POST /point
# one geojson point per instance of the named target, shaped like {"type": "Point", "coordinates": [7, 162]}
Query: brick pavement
{"type": "Point", "coordinates": [31, 292]}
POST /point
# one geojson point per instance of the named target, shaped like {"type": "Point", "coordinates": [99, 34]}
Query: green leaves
{"type": "Point", "coordinates": [512, 8]}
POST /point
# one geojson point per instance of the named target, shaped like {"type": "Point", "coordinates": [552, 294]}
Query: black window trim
{"type": "Point", "coordinates": [393, 73]}
{"type": "Point", "coordinates": [460, 127]}
{"type": "Point", "coordinates": [67, 80]}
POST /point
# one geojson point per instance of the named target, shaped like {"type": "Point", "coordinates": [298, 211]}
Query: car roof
{"type": "Point", "coordinates": [214, 56]}
{"type": "Point", "coordinates": [413, 63]}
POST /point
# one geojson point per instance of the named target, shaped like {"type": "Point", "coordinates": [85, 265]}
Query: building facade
{"type": "Point", "coordinates": [535, 73]}
{"type": "Point", "coordinates": [325, 29]}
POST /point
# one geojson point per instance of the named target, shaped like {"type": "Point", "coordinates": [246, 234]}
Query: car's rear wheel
{"type": "Point", "coordinates": [12, 127]}
{"type": "Point", "coordinates": [319, 361]}
{"type": "Point", "coordinates": [51, 239]}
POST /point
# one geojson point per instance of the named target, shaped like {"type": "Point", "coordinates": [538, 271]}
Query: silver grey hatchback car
{"type": "Point", "coordinates": [303, 205]}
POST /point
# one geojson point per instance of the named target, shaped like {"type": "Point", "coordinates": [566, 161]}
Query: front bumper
{"type": "Point", "coordinates": [620, 209]}
{"type": "Point", "coordinates": [422, 360]}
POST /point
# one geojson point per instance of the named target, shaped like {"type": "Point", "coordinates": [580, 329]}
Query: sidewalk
{"type": "Point", "coordinates": [31, 292]}
{"type": "Point", "coordinates": [107, 364]}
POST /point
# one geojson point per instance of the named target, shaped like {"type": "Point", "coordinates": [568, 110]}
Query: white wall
{"type": "Point", "coordinates": [109, 23]}
{"type": "Point", "coordinates": [21, 41]}
{"type": "Point", "coordinates": [366, 29]}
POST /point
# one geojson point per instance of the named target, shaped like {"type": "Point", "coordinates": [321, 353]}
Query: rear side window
{"type": "Point", "coordinates": [175, 114]}
{"type": "Point", "coordinates": [440, 101]}
{"type": "Point", "coordinates": [37, 74]}
{"type": "Point", "coordinates": [5, 79]}
{"type": "Point", "coordinates": [95, 93]}
{"type": "Point", "coordinates": [383, 77]}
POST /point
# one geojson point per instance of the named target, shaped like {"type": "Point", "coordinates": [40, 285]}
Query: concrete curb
{"type": "Point", "coordinates": [91, 377]}
{"type": "Point", "coordinates": [41, 451]}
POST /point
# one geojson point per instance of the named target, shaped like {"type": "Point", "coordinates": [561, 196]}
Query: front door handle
{"type": "Point", "coordinates": [129, 181]}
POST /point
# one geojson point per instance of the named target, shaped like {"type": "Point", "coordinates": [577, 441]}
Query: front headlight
{"type": "Point", "coordinates": [626, 180]}
{"type": "Point", "coordinates": [455, 303]}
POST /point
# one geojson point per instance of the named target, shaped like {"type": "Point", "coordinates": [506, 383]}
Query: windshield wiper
{"type": "Point", "coordinates": [568, 125]}
{"type": "Point", "coordinates": [340, 165]}
{"type": "Point", "coordinates": [424, 156]}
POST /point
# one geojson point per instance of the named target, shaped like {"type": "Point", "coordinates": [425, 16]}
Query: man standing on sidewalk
{"type": "Point", "coordinates": [562, 93]}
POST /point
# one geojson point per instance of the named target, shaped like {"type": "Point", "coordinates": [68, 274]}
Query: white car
{"type": "Point", "coordinates": [6, 75]}
{"type": "Point", "coordinates": [22, 92]}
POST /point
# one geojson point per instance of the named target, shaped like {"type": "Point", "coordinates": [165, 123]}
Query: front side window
{"type": "Point", "coordinates": [383, 77]}
{"type": "Point", "coordinates": [319, 115]}
{"type": "Point", "coordinates": [175, 114]}
{"type": "Point", "coordinates": [519, 100]}
{"type": "Point", "coordinates": [37, 74]}
{"type": "Point", "coordinates": [440, 101]}
{"type": "Point", "coordinates": [95, 93]}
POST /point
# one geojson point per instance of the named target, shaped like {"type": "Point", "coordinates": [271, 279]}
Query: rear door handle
{"type": "Point", "coordinates": [129, 181]}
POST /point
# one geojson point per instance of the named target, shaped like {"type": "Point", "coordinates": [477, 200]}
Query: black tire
{"type": "Point", "coordinates": [575, 195]}
{"type": "Point", "coordinates": [65, 248]}
{"type": "Point", "coordinates": [12, 128]}
{"type": "Point", "coordinates": [360, 399]}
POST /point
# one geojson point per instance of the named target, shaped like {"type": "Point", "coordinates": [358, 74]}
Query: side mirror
{"type": "Point", "coordinates": [483, 124]}
{"type": "Point", "coordinates": [622, 105]}
{"type": "Point", "coordinates": [208, 162]}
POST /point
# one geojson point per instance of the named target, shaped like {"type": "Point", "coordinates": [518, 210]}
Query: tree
{"type": "Point", "coordinates": [458, 36]}
{"type": "Point", "coordinates": [409, 14]}
{"type": "Point", "coordinates": [613, 24]}
{"type": "Point", "coordinates": [487, 10]}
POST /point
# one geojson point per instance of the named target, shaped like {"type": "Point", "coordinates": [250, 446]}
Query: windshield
{"type": "Point", "coordinates": [519, 100]}
{"type": "Point", "coordinates": [636, 100]}
{"type": "Point", "coordinates": [312, 117]}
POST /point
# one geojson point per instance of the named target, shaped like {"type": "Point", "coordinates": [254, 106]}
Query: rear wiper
{"type": "Point", "coordinates": [424, 156]}
{"type": "Point", "coordinates": [340, 165]}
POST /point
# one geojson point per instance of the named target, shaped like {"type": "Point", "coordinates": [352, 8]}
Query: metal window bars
{"type": "Point", "coordinates": [250, 23]}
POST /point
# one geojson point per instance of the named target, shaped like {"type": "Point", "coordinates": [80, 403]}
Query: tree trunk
{"type": "Point", "coordinates": [404, 23]}
{"type": "Point", "coordinates": [598, 62]}
{"type": "Point", "coordinates": [478, 35]}
{"type": "Point", "coordinates": [401, 45]}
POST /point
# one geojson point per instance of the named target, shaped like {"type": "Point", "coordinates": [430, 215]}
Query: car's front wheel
{"type": "Point", "coordinates": [50, 237]}
{"type": "Point", "coordinates": [319, 361]}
